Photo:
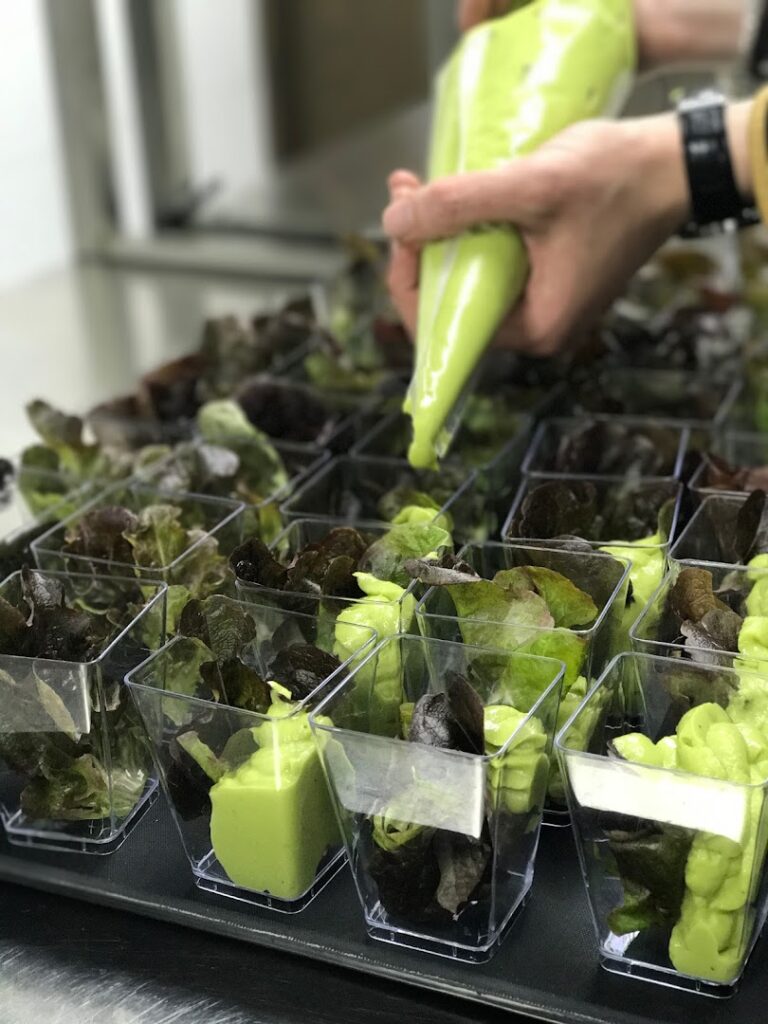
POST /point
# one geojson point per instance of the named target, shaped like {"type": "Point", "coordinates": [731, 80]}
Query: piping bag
{"type": "Point", "coordinates": [511, 84]}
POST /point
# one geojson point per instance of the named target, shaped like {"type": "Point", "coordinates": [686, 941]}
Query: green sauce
{"type": "Point", "coordinates": [511, 84]}
{"type": "Point", "coordinates": [272, 821]}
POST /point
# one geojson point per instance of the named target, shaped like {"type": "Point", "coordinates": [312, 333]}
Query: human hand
{"type": "Point", "coordinates": [592, 206]}
{"type": "Point", "coordinates": [668, 31]}
{"type": "Point", "coordinates": [472, 12]}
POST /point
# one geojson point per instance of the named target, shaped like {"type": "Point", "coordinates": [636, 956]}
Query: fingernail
{"type": "Point", "coordinates": [398, 218]}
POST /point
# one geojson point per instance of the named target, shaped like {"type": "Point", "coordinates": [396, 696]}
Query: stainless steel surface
{"type": "Point", "coordinates": [39, 983]}
{"type": "Point", "coordinates": [82, 335]}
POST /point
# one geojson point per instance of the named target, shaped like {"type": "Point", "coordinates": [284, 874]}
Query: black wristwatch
{"type": "Point", "coordinates": [715, 198]}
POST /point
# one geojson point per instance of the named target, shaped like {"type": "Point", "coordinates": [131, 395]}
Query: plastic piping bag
{"type": "Point", "coordinates": [511, 84]}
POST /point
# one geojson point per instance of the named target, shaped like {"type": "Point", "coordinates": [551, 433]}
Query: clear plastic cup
{"type": "Point", "coordinates": [412, 813]}
{"type": "Point", "coordinates": [75, 771]}
{"type": "Point", "coordinates": [246, 789]}
{"type": "Point", "coordinates": [673, 860]}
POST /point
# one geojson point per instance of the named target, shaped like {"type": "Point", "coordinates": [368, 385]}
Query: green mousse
{"type": "Point", "coordinates": [272, 821]}
{"type": "Point", "coordinates": [511, 84]}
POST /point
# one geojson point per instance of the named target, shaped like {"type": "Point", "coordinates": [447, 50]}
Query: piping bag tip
{"type": "Point", "coordinates": [422, 455]}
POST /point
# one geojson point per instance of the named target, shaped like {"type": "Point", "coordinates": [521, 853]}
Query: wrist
{"type": "Point", "coordinates": [670, 31]}
{"type": "Point", "coordinates": [737, 127]}
{"type": "Point", "coordinates": [661, 169]}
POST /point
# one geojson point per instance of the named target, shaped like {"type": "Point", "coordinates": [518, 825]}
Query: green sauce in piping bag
{"type": "Point", "coordinates": [510, 85]}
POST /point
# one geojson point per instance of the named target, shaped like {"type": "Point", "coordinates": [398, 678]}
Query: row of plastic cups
{"type": "Point", "coordinates": [430, 832]}
{"type": "Point", "coordinates": [33, 500]}
{"type": "Point", "coordinates": [571, 447]}
{"type": "Point", "coordinates": [246, 788]}
{"type": "Point", "coordinates": [468, 820]}
{"type": "Point", "coordinates": [487, 615]}
{"type": "Point", "coordinates": [75, 768]}
{"type": "Point", "coordinates": [584, 650]}
{"type": "Point", "coordinates": [442, 842]}
{"type": "Point", "coordinates": [344, 489]}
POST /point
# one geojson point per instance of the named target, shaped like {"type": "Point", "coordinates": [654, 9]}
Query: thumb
{"type": "Point", "coordinates": [450, 205]}
{"type": "Point", "coordinates": [472, 12]}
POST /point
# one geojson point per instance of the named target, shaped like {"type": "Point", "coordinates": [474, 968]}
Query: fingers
{"type": "Point", "coordinates": [402, 182]}
{"type": "Point", "coordinates": [472, 12]}
{"type": "Point", "coordinates": [518, 193]}
{"type": "Point", "coordinates": [403, 283]}
{"type": "Point", "coordinates": [403, 274]}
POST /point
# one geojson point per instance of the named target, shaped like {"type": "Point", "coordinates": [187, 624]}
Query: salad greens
{"type": "Point", "coordinates": [218, 659]}
{"type": "Point", "coordinates": [152, 540]}
{"type": "Point", "coordinates": [699, 884]}
{"type": "Point", "coordinates": [71, 774]}
{"type": "Point", "coordinates": [335, 565]}
{"type": "Point", "coordinates": [608, 447]}
{"type": "Point", "coordinates": [529, 609]}
{"type": "Point", "coordinates": [712, 625]}
{"type": "Point", "coordinates": [427, 874]}
{"type": "Point", "coordinates": [232, 460]}
{"type": "Point", "coordinates": [370, 573]}
{"type": "Point", "coordinates": [721, 475]}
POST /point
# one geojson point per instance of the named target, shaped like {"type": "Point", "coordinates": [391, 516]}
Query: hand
{"type": "Point", "coordinates": [667, 30]}
{"type": "Point", "coordinates": [472, 12]}
{"type": "Point", "coordinates": [592, 206]}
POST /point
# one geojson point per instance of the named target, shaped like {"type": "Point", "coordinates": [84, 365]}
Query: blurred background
{"type": "Point", "coordinates": [163, 160]}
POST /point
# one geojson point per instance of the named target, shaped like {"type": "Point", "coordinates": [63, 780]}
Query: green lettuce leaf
{"type": "Point", "coordinates": [386, 557]}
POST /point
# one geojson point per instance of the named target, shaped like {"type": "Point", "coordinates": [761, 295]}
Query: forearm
{"type": "Point", "coordinates": [672, 31]}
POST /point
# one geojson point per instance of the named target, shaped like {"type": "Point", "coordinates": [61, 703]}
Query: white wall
{"type": "Point", "coordinates": [34, 227]}
{"type": "Point", "coordinates": [224, 81]}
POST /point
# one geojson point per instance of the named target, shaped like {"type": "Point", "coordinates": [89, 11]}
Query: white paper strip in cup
{"type": "Point", "coordinates": [409, 782]}
{"type": "Point", "coordinates": [690, 801]}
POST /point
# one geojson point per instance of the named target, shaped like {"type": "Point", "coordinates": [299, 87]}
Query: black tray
{"type": "Point", "coordinates": [546, 968]}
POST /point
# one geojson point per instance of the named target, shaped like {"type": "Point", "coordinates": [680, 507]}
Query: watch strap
{"type": "Point", "coordinates": [715, 197]}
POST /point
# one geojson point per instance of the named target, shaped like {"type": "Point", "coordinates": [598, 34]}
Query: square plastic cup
{"type": "Point", "coordinates": [666, 445]}
{"type": "Point", "coordinates": [290, 411]}
{"type": "Point", "coordinates": [673, 861]}
{"type": "Point", "coordinates": [357, 489]}
{"type": "Point", "coordinates": [75, 770]}
{"type": "Point", "coordinates": [496, 464]}
{"type": "Point", "coordinates": [31, 500]}
{"type": "Point", "coordinates": [711, 531]}
{"type": "Point", "coordinates": [264, 832]}
{"type": "Point", "coordinates": [740, 450]}
{"type": "Point", "coordinates": [657, 629]}
{"type": "Point", "coordinates": [584, 651]}
{"type": "Point", "coordinates": [215, 521]}
{"type": "Point", "coordinates": [411, 813]}
{"type": "Point", "coordinates": [698, 401]}
{"type": "Point", "coordinates": [390, 438]}
{"type": "Point", "coordinates": [393, 614]}
{"type": "Point", "coordinates": [184, 469]}
{"type": "Point", "coordinates": [654, 508]}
